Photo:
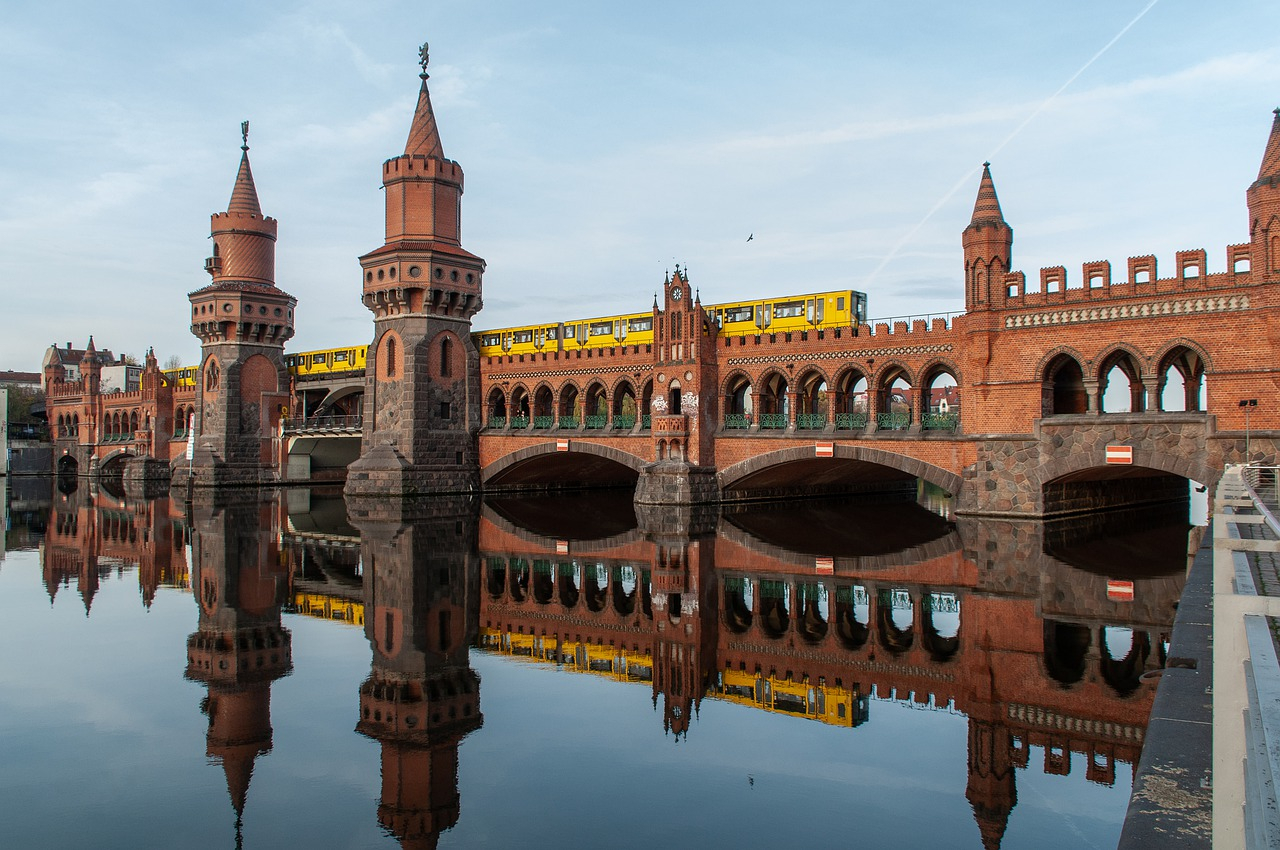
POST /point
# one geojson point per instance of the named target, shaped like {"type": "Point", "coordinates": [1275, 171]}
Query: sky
{"type": "Point", "coordinates": [605, 143]}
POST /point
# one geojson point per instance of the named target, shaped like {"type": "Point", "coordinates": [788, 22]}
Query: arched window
{"type": "Point", "coordinates": [446, 357]}
{"type": "Point", "coordinates": [390, 357]}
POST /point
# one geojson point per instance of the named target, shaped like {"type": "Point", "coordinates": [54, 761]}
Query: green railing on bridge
{"type": "Point", "coordinates": [569, 422]}
{"type": "Point", "coordinates": [543, 423]}
{"type": "Point", "coordinates": [596, 421]}
{"type": "Point", "coordinates": [851, 421]}
{"type": "Point", "coordinates": [644, 422]}
{"type": "Point", "coordinates": [940, 421]}
{"type": "Point", "coordinates": [624, 422]}
{"type": "Point", "coordinates": [773, 421]}
{"type": "Point", "coordinates": [497, 421]}
{"type": "Point", "coordinates": [520, 422]}
{"type": "Point", "coordinates": [811, 421]}
{"type": "Point", "coordinates": [893, 421]}
{"type": "Point", "coordinates": [737, 421]}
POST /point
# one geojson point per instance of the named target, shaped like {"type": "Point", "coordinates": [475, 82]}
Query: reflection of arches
{"type": "Point", "coordinates": [737, 605]}
{"type": "Point", "coordinates": [497, 578]}
{"type": "Point", "coordinates": [566, 583]}
{"type": "Point", "coordinates": [1123, 673]}
{"type": "Point", "coordinates": [594, 581]}
{"type": "Point", "coordinates": [852, 618]}
{"type": "Point", "coordinates": [519, 579]}
{"type": "Point", "coordinates": [895, 616]}
{"type": "Point", "coordinates": [543, 582]}
{"type": "Point", "coordinates": [811, 621]}
{"type": "Point", "coordinates": [940, 632]}
{"type": "Point", "coordinates": [1066, 647]}
{"type": "Point", "coordinates": [624, 588]}
{"type": "Point", "coordinates": [1062, 387]}
{"type": "Point", "coordinates": [775, 608]}
{"type": "Point", "coordinates": [68, 465]}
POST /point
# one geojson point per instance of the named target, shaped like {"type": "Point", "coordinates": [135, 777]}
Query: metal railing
{"type": "Point", "coordinates": [773, 421]}
{"type": "Point", "coordinates": [568, 422]}
{"type": "Point", "coordinates": [893, 421]}
{"type": "Point", "coordinates": [624, 422]}
{"type": "Point", "coordinates": [737, 421]}
{"type": "Point", "coordinates": [543, 423]}
{"type": "Point", "coordinates": [940, 421]}
{"type": "Point", "coordinates": [811, 421]}
{"type": "Point", "coordinates": [596, 421]}
{"type": "Point", "coordinates": [324, 424]}
{"type": "Point", "coordinates": [851, 421]}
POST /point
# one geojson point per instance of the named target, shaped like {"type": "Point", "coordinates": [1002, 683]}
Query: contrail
{"type": "Point", "coordinates": [968, 175]}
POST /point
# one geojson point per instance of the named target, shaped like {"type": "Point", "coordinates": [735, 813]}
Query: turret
{"type": "Point", "coordinates": [988, 246]}
{"type": "Point", "coordinates": [1264, 210]}
{"type": "Point", "coordinates": [90, 368]}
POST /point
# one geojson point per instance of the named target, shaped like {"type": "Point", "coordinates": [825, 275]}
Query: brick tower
{"type": "Point", "coordinates": [243, 321]}
{"type": "Point", "coordinates": [684, 408]}
{"type": "Point", "coordinates": [1264, 211]}
{"type": "Point", "coordinates": [422, 382]}
{"type": "Point", "coordinates": [988, 246]}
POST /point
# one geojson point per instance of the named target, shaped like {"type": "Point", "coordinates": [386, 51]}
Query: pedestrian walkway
{"type": "Point", "coordinates": [1246, 681]}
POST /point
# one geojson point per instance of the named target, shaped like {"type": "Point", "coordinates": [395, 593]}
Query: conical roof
{"type": "Point", "coordinates": [424, 136]}
{"type": "Point", "coordinates": [986, 209]}
{"type": "Point", "coordinates": [1271, 158]}
{"type": "Point", "coordinates": [244, 196]}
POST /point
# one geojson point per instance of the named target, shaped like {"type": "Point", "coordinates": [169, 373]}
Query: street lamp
{"type": "Point", "coordinates": [1247, 404]}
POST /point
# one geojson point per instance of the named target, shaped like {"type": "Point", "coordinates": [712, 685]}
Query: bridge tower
{"type": "Point", "coordinates": [684, 408]}
{"type": "Point", "coordinates": [422, 382]}
{"type": "Point", "coordinates": [988, 246]}
{"type": "Point", "coordinates": [1264, 211]}
{"type": "Point", "coordinates": [243, 321]}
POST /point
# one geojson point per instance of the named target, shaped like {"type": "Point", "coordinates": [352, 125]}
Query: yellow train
{"type": "Point", "coordinates": [830, 704]}
{"type": "Point", "coordinates": [184, 376]}
{"type": "Point", "coordinates": [843, 308]}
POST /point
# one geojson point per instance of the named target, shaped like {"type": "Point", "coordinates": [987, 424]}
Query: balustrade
{"type": "Point", "coordinates": [811, 421]}
{"type": "Point", "coordinates": [737, 421]}
{"type": "Point", "coordinates": [940, 421]}
{"type": "Point", "coordinates": [773, 421]}
{"type": "Point", "coordinates": [893, 421]}
{"type": "Point", "coordinates": [851, 421]}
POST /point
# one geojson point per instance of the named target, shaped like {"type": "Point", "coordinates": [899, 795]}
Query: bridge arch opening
{"type": "Point", "coordinates": [812, 397]}
{"type": "Point", "coordinates": [774, 405]}
{"type": "Point", "coordinates": [1181, 376]}
{"type": "Point", "coordinates": [569, 409]}
{"type": "Point", "coordinates": [595, 405]}
{"type": "Point", "coordinates": [1063, 388]}
{"type": "Point", "coordinates": [941, 399]}
{"type": "Point", "coordinates": [624, 406]}
{"type": "Point", "coordinates": [895, 400]}
{"type": "Point", "coordinates": [549, 467]}
{"type": "Point", "coordinates": [1120, 383]}
{"type": "Point", "coordinates": [738, 403]}
{"type": "Point", "coordinates": [497, 405]}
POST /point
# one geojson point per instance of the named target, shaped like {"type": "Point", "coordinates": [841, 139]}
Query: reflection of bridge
{"type": "Point", "coordinates": [702, 409]}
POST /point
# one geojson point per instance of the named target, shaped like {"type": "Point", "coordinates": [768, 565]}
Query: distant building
{"type": "Point", "coordinates": [21, 380]}
{"type": "Point", "coordinates": [116, 374]}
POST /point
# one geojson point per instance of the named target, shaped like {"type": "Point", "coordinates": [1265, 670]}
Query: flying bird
{"type": "Point", "coordinates": [752, 236]}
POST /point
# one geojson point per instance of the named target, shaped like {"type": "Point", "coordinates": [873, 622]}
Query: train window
{"type": "Point", "coordinates": [317, 358]}
{"type": "Point", "coordinates": [569, 331]}
{"type": "Point", "coordinates": [840, 303]}
{"type": "Point", "coordinates": [340, 356]}
{"type": "Point", "coordinates": [522, 336]}
{"type": "Point", "coordinates": [639, 325]}
{"type": "Point", "coordinates": [739, 314]}
{"type": "Point", "coordinates": [491, 339]}
{"type": "Point", "coordinates": [788, 310]}
{"type": "Point", "coordinates": [553, 333]}
{"type": "Point", "coordinates": [601, 328]}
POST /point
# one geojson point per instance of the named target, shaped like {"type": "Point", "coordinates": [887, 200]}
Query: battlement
{"type": "Point", "coordinates": [247, 223]}
{"type": "Point", "coordinates": [418, 167]}
{"type": "Point", "coordinates": [619, 353]}
{"type": "Point", "coordinates": [1096, 283]}
{"type": "Point", "coordinates": [64, 389]}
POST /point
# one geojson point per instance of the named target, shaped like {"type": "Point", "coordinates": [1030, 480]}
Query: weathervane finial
{"type": "Point", "coordinates": [423, 59]}
{"type": "Point", "coordinates": [244, 135]}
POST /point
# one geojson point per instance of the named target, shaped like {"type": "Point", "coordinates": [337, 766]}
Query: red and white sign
{"type": "Point", "coordinates": [825, 449]}
{"type": "Point", "coordinates": [1120, 591]}
{"type": "Point", "coordinates": [562, 547]}
{"type": "Point", "coordinates": [1120, 454]}
{"type": "Point", "coordinates": [825, 566]}
{"type": "Point", "coordinates": [562, 445]}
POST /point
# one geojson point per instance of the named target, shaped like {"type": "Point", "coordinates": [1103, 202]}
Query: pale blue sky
{"type": "Point", "coordinates": [604, 143]}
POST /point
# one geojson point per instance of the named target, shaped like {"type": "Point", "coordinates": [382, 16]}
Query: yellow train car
{"type": "Point", "coordinates": [844, 308]}
{"type": "Point", "coordinates": [183, 376]}
{"type": "Point", "coordinates": [328, 361]}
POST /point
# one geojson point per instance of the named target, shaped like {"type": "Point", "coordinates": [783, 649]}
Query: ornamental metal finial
{"type": "Point", "coordinates": [244, 135]}
{"type": "Point", "coordinates": [423, 59]}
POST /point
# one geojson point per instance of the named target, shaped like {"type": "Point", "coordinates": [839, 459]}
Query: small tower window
{"type": "Point", "coordinates": [391, 357]}
{"type": "Point", "coordinates": [446, 357]}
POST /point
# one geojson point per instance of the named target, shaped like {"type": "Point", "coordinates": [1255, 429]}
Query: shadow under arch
{"type": "Point", "coordinates": [545, 466]}
{"type": "Point", "coordinates": [850, 466]}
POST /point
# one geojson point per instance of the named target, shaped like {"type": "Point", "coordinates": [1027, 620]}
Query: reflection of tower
{"type": "Point", "coordinates": [240, 648]}
{"type": "Point", "coordinates": [421, 584]}
{"type": "Point", "coordinates": [684, 641]}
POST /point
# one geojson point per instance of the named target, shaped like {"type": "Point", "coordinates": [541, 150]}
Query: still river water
{"type": "Point", "coordinates": [560, 672]}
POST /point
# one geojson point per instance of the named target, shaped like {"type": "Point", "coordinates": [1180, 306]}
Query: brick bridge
{"type": "Point", "coordinates": [1007, 406]}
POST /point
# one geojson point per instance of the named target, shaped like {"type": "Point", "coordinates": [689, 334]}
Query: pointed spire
{"type": "Point", "coordinates": [244, 197]}
{"type": "Point", "coordinates": [90, 349]}
{"type": "Point", "coordinates": [1271, 159]}
{"type": "Point", "coordinates": [987, 207]}
{"type": "Point", "coordinates": [424, 137]}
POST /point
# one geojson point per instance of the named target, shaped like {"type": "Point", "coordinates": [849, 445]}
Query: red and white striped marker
{"type": "Point", "coordinates": [1120, 454]}
{"type": "Point", "coordinates": [825, 449]}
{"type": "Point", "coordinates": [1120, 591]}
{"type": "Point", "coordinates": [825, 566]}
{"type": "Point", "coordinates": [562, 445]}
{"type": "Point", "coordinates": [562, 547]}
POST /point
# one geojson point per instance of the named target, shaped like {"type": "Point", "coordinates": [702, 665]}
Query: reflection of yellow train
{"type": "Point", "coordinates": [831, 704]}
{"type": "Point", "coordinates": [844, 308]}
{"type": "Point", "coordinates": [579, 656]}
{"type": "Point", "coordinates": [329, 608]}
